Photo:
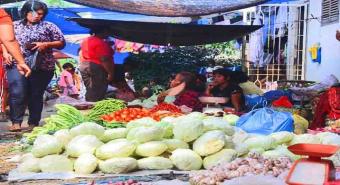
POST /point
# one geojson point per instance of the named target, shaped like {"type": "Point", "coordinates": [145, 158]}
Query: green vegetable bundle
{"type": "Point", "coordinates": [104, 107]}
{"type": "Point", "coordinates": [66, 117]}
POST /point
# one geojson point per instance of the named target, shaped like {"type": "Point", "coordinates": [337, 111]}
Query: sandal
{"type": "Point", "coordinates": [15, 128]}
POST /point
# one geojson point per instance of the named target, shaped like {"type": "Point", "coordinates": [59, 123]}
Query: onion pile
{"type": "Point", "coordinates": [255, 164]}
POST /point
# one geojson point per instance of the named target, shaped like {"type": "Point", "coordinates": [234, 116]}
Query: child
{"type": "Point", "coordinates": [66, 82]}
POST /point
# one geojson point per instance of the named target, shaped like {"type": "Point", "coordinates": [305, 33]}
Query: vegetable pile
{"type": "Point", "coordinates": [188, 142]}
{"type": "Point", "coordinates": [104, 107]}
{"type": "Point", "coordinates": [66, 117]}
{"type": "Point", "coordinates": [252, 165]}
{"type": "Point", "coordinates": [165, 107]}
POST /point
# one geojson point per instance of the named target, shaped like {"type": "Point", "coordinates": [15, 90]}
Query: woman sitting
{"type": "Point", "coordinates": [223, 86]}
{"type": "Point", "coordinates": [183, 87]}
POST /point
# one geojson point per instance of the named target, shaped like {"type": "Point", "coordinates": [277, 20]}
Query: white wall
{"type": "Point", "coordinates": [330, 53]}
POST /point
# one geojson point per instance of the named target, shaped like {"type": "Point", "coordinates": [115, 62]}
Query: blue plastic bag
{"type": "Point", "coordinates": [255, 101]}
{"type": "Point", "coordinates": [276, 94]}
{"type": "Point", "coordinates": [266, 121]}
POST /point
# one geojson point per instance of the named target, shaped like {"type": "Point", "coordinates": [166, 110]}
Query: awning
{"type": "Point", "coordinates": [169, 34]}
{"type": "Point", "coordinates": [171, 7]}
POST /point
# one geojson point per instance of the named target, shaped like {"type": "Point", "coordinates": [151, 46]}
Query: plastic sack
{"type": "Point", "coordinates": [266, 121]}
{"type": "Point", "coordinates": [255, 101]}
{"type": "Point", "coordinates": [283, 102]}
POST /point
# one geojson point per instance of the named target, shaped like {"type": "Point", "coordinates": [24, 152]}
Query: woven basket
{"type": "Point", "coordinates": [171, 7]}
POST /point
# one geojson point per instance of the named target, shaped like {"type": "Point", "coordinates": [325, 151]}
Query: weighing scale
{"type": "Point", "coordinates": [213, 106]}
{"type": "Point", "coordinates": [313, 170]}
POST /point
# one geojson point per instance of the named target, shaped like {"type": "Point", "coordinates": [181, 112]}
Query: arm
{"type": "Point", "coordinates": [236, 101]}
{"type": "Point", "coordinates": [108, 66]}
{"type": "Point", "coordinates": [12, 46]}
{"type": "Point", "coordinates": [42, 46]}
{"type": "Point", "coordinates": [7, 57]}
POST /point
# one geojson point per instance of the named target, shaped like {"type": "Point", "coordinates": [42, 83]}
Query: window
{"type": "Point", "coordinates": [330, 12]}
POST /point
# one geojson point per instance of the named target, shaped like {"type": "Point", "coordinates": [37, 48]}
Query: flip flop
{"type": "Point", "coordinates": [14, 128]}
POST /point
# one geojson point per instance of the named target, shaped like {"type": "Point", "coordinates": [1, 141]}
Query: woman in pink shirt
{"type": "Point", "coordinates": [66, 82]}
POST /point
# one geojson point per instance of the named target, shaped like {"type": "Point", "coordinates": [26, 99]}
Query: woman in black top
{"type": "Point", "coordinates": [224, 86]}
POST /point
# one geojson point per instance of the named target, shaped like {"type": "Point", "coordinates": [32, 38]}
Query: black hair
{"type": "Point", "coordinates": [240, 77]}
{"type": "Point", "coordinates": [68, 65]}
{"type": "Point", "coordinates": [33, 5]}
{"type": "Point", "coordinates": [189, 79]}
{"type": "Point", "coordinates": [223, 72]}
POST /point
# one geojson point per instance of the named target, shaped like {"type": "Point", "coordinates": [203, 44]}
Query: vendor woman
{"type": "Point", "coordinates": [223, 86]}
{"type": "Point", "coordinates": [184, 88]}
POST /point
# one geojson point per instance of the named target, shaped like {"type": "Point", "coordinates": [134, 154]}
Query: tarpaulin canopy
{"type": "Point", "coordinates": [167, 33]}
{"type": "Point", "coordinates": [171, 7]}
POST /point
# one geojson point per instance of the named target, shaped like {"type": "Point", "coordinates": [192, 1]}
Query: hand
{"type": "Point", "coordinates": [185, 109]}
{"type": "Point", "coordinates": [161, 97]}
{"type": "Point", "coordinates": [211, 86]}
{"type": "Point", "coordinates": [24, 69]}
{"type": "Point", "coordinates": [40, 46]}
{"type": "Point", "coordinates": [109, 77]}
{"type": "Point", "coordinates": [7, 58]}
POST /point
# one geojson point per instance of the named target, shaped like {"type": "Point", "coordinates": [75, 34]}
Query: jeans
{"type": "Point", "coordinates": [27, 92]}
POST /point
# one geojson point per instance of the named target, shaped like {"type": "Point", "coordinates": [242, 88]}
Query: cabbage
{"type": "Point", "coordinates": [82, 144]}
{"type": "Point", "coordinates": [63, 136]}
{"type": "Point", "coordinates": [282, 137]}
{"type": "Point", "coordinates": [196, 115]}
{"type": "Point", "coordinates": [151, 149]}
{"type": "Point", "coordinates": [305, 138]}
{"type": "Point", "coordinates": [228, 142]}
{"type": "Point", "coordinates": [241, 149]}
{"type": "Point", "coordinates": [168, 129]}
{"type": "Point", "coordinates": [31, 165]}
{"type": "Point", "coordinates": [120, 148]}
{"type": "Point", "coordinates": [112, 134]}
{"type": "Point", "coordinates": [329, 138]}
{"type": "Point", "coordinates": [145, 134]}
{"type": "Point", "coordinates": [209, 143]}
{"type": "Point", "coordinates": [154, 163]}
{"type": "Point", "coordinates": [118, 165]}
{"type": "Point", "coordinates": [143, 122]}
{"type": "Point", "coordinates": [88, 128]}
{"type": "Point", "coordinates": [240, 136]}
{"type": "Point", "coordinates": [46, 145]}
{"type": "Point", "coordinates": [215, 123]}
{"type": "Point", "coordinates": [231, 119]}
{"type": "Point", "coordinates": [55, 163]}
{"type": "Point", "coordinates": [186, 159]}
{"type": "Point", "coordinates": [26, 156]}
{"type": "Point", "coordinates": [280, 151]}
{"type": "Point", "coordinates": [174, 144]}
{"type": "Point", "coordinates": [223, 156]}
{"type": "Point", "coordinates": [188, 129]}
{"type": "Point", "coordinates": [300, 124]}
{"type": "Point", "coordinates": [85, 164]}
{"type": "Point", "coordinates": [264, 142]}
{"type": "Point", "coordinates": [168, 119]}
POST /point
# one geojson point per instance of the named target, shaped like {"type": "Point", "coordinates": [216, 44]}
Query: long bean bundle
{"type": "Point", "coordinates": [104, 107]}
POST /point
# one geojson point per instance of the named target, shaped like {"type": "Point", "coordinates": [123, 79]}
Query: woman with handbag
{"type": "Point", "coordinates": [37, 39]}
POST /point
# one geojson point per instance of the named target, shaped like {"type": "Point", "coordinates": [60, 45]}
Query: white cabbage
{"type": "Point", "coordinates": [120, 148]}
{"type": "Point", "coordinates": [63, 136]}
{"type": "Point", "coordinates": [188, 129]}
{"type": "Point", "coordinates": [209, 143]}
{"type": "Point", "coordinates": [115, 133]}
{"type": "Point", "coordinates": [118, 165]}
{"type": "Point", "coordinates": [186, 159]}
{"type": "Point", "coordinates": [223, 156]}
{"type": "Point", "coordinates": [151, 149]}
{"type": "Point", "coordinates": [85, 164]}
{"type": "Point", "coordinates": [154, 163]}
{"type": "Point", "coordinates": [216, 123]}
{"type": "Point", "coordinates": [31, 165]}
{"type": "Point", "coordinates": [55, 163]}
{"type": "Point", "coordinates": [88, 128]}
{"type": "Point", "coordinates": [46, 145]}
{"type": "Point", "coordinates": [83, 144]}
{"type": "Point", "coordinates": [145, 134]}
{"type": "Point", "coordinates": [174, 144]}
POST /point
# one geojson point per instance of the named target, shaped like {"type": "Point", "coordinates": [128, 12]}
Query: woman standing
{"type": "Point", "coordinates": [96, 64]}
{"type": "Point", "coordinates": [223, 86]}
{"type": "Point", "coordinates": [37, 39]}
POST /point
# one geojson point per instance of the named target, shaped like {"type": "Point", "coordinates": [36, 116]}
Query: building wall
{"type": "Point", "coordinates": [330, 53]}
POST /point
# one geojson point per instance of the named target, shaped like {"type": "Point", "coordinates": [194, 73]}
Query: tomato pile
{"type": "Point", "coordinates": [166, 107]}
{"type": "Point", "coordinates": [126, 115]}
{"type": "Point", "coordinates": [130, 114]}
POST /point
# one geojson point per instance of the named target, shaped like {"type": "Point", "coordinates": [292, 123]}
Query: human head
{"type": "Point", "coordinates": [68, 67]}
{"type": "Point", "coordinates": [186, 77]}
{"type": "Point", "coordinates": [221, 76]}
{"type": "Point", "coordinates": [100, 31]}
{"type": "Point", "coordinates": [34, 11]}
{"type": "Point", "coordinates": [239, 77]}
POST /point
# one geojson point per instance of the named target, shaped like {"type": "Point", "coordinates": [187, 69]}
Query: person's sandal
{"type": "Point", "coordinates": [15, 128]}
